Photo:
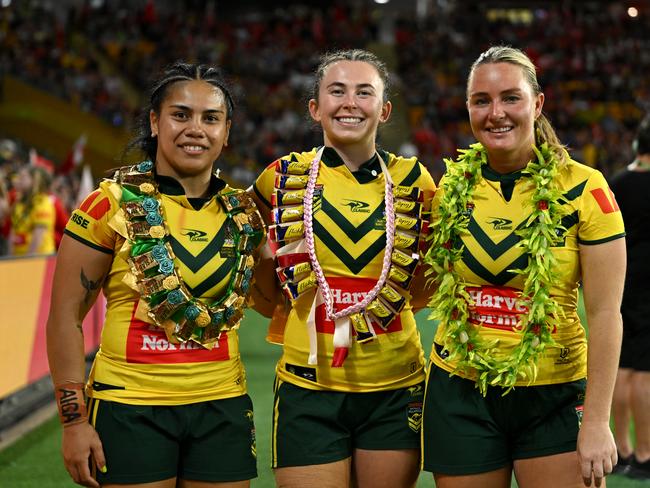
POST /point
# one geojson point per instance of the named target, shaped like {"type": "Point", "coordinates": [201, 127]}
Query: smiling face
{"type": "Point", "coordinates": [502, 111]}
{"type": "Point", "coordinates": [350, 105]}
{"type": "Point", "coordinates": [192, 129]}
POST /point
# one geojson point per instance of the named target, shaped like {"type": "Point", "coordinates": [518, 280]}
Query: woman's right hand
{"type": "Point", "coordinates": [81, 447]}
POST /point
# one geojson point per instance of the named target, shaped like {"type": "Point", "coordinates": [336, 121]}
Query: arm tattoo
{"type": "Point", "coordinates": [90, 286]}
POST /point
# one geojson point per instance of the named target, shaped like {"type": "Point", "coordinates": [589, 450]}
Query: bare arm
{"type": "Point", "coordinates": [79, 275]}
{"type": "Point", "coordinates": [603, 276]}
{"type": "Point", "coordinates": [265, 293]}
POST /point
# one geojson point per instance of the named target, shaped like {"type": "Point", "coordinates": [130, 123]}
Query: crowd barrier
{"type": "Point", "coordinates": [25, 289]}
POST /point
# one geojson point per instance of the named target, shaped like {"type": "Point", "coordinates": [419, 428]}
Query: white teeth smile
{"type": "Point", "coordinates": [500, 129]}
{"type": "Point", "coordinates": [349, 120]}
{"type": "Point", "coordinates": [193, 148]}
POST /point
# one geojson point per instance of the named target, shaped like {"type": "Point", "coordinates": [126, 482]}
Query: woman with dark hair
{"type": "Point", "coordinates": [173, 248]}
{"type": "Point", "coordinates": [348, 220]}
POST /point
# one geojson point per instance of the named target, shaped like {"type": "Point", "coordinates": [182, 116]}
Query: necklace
{"type": "Point", "coordinates": [308, 203]}
{"type": "Point", "coordinates": [300, 271]}
{"type": "Point", "coordinates": [172, 306]}
{"type": "Point", "coordinates": [451, 303]}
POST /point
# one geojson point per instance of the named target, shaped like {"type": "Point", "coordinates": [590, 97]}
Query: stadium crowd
{"type": "Point", "coordinates": [593, 59]}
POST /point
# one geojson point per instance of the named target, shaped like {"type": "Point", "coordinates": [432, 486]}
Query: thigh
{"type": "Point", "coordinates": [328, 475]}
{"type": "Point", "coordinates": [307, 429]}
{"type": "Point", "coordinates": [170, 483]}
{"type": "Point", "coordinates": [212, 426]}
{"type": "Point", "coordinates": [499, 478]}
{"type": "Point", "coordinates": [207, 484]}
{"type": "Point", "coordinates": [558, 471]}
{"type": "Point", "coordinates": [140, 445]}
{"type": "Point", "coordinates": [386, 420]}
{"type": "Point", "coordinates": [385, 469]}
{"type": "Point", "coordinates": [460, 435]}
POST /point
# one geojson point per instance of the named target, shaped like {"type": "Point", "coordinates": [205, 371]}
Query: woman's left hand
{"type": "Point", "coordinates": [596, 451]}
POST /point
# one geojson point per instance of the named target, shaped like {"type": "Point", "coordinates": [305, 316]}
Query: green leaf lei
{"type": "Point", "coordinates": [172, 306]}
{"type": "Point", "coordinates": [451, 303]}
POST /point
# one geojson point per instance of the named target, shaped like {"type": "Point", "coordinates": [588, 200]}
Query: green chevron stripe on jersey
{"type": "Point", "coordinates": [412, 177]}
{"type": "Point", "coordinates": [195, 263]}
{"type": "Point", "coordinates": [355, 265]}
{"type": "Point", "coordinates": [355, 233]}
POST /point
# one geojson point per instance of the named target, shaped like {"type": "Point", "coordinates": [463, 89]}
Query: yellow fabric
{"type": "Point", "coordinates": [42, 214]}
{"type": "Point", "coordinates": [490, 250]}
{"type": "Point", "coordinates": [134, 356]}
{"type": "Point", "coordinates": [352, 221]}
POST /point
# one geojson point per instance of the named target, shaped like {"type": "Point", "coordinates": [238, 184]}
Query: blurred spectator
{"type": "Point", "coordinates": [33, 214]}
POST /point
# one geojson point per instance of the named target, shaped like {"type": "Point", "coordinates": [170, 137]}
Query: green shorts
{"type": "Point", "coordinates": [466, 433]}
{"type": "Point", "coordinates": [319, 427]}
{"type": "Point", "coordinates": [211, 441]}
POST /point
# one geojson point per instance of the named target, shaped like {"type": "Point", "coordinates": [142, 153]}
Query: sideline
{"type": "Point", "coordinates": [35, 419]}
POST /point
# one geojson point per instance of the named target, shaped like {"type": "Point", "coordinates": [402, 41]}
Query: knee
{"type": "Point", "coordinates": [640, 383]}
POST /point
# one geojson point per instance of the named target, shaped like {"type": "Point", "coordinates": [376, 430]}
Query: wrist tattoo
{"type": "Point", "coordinates": [71, 403]}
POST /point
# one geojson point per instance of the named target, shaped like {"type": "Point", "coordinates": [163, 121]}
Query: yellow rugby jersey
{"type": "Point", "coordinates": [350, 236]}
{"type": "Point", "coordinates": [135, 363]}
{"type": "Point", "coordinates": [502, 204]}
{"type": "Point", "coordinates": [43, 214]}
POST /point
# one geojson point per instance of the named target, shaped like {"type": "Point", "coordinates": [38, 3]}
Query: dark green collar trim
{"type": "Point", "coordinates": [489, 174]}
{"type": "Point", "coordinates": [171, 186]}
{"type": "Point", "coordinates": [367, 172]}
{"type": "Point", "coordinates": [506, 181]}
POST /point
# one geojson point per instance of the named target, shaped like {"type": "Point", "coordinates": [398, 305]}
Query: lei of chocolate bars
{"type": "Point", "coordinates": [297, 272]}
{"type": "Point", "coordinates": [172, 306]}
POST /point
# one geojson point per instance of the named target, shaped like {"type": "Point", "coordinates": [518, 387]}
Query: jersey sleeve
{"type": "Point", "coordinates": [89, 223]}
{"type": "Point", "coordinates": [600, 217]}
{"type": "Point", "coordinates": [426, 184]}
{"type": "Point", "coordinates": [265, 183]}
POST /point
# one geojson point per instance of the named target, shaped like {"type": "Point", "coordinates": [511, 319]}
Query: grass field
{"type": "Point", "coordinates": [35, 462]}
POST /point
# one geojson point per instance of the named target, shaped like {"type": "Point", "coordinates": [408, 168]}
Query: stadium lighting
{"type": "Point", "coordinates": [632, 12]}
{"type": "Point", "coordinates": [382, 1]}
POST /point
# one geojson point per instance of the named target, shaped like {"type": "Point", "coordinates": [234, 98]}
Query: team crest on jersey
{"type": "Point", "coordinates": [195, 235]}
{"type": "Point", "coordinates": [380, 223]}
{"type": "Point", "coordinates": [414, 413]}
{"type": "Point", "coordinates": [499, 223]}
{"type": "Point", "coordinates": [357, 206]}
{"type": "Point", "coordinates": [564, 356]}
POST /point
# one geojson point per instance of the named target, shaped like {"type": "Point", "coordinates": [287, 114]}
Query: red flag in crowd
{"type": "Point", "coordinates": [40, 161]}
{"type": "Point", "coordinates": [86, 185]}
{"type": "Point", "coordinates": [75, 156]}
